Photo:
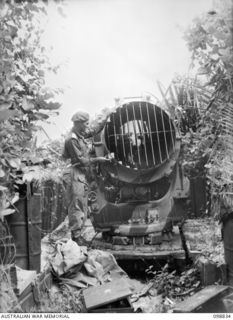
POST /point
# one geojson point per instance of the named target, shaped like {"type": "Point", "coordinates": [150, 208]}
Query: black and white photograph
{"type": "Point", "coordinates": [116, 158]}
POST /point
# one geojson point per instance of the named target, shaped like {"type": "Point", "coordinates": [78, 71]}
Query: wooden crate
{"type": "Point", "coordinates": [109, 297]}
{"type": "Point", "coordinates": [30, 292]}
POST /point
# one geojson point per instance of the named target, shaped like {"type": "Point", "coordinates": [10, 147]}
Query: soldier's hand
{"type": "Point", "coordinates": [102, 159]}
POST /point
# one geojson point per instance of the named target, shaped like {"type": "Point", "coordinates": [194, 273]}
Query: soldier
{"type": "Point", "coordinates": [76, 149]}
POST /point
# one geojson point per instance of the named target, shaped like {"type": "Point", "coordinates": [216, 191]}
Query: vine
{"type": "Point", "coordinates": [24, 97]}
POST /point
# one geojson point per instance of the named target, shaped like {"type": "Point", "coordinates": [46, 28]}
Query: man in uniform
{"type": "Point", "coordinates": [76, 149]}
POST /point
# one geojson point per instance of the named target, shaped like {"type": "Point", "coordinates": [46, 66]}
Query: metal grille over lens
{"type": "Point", "coordinates": [140, 134]}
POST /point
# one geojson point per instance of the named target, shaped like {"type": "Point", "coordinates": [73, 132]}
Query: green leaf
{"type": "Point", "coordinates": [15, 198]}
{"type": "Point", "coordinates": [34, 159]}
{"type": "Point", "coordinates": [18, 181]}
{"type": "Point", "coordinates": [6, 212]}
{"type": "Point", "coordinates": [202, 70]}
{"type": "Point", "coordinates": [3, 161]}
{"type": "Point", "coordinates": [13, 31]}
{"type": "Point", "coordinates": [39, 116]}
{"type": "Point", "coordinates": [14, 162]}
{"type": "Point", "coordinates": [7, 114]}
{"type": "Point", "coordinates": [46, 96]}
{"type": "Point", "coordinates": [5, 106]}
{"type": "Point", "coordinates": [3, 9]}
{"type": "Point", "coordinates": [2, 173]}
{"type": "Point", "coordinates": [51, 105]}
{"type": "Point", "coordinates": [27, 105]}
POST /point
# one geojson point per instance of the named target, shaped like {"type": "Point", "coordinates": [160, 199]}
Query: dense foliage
{"type": "Point", "coordinates": [187, 100]}
{"type": "Point", "coordinates": [24, 97]}
{"type": "Point", "coordinates": [203, 106]}
{"type": "Point", "coordinates": [210, 40]}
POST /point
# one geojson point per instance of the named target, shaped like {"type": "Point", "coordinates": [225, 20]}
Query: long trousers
{"type": "Point", "coordinates": [76, 187]}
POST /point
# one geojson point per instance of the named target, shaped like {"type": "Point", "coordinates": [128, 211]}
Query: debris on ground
{"type": "Point", "coordinates": [149, 304]}
{"type": "Point", "coordinates": [146, 299]}
{"type": "Point", "coordinates": [8, 297]}
{"type": "Point", "coordinates": [68, 255]}
{"type": "Point", "coordinates": [210, 299]}
{"type": "Point", "coordinates": [63, 299]}
{"type": "Point", "coordinates": [76, 268]}
{"type": "Point", "coordinates": [112, 296]}
{"type": "Point", "coordinates": [204, 235]}
{"type": "Point", "coordinates": [172, 287]}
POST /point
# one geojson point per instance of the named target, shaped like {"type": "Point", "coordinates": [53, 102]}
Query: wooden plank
{"type": "Point", "coordinates": [25, 278]}
{"type": "Point", "coordinates": [200, 298]}
{"type": "Point", "coordinates": [30, 296]}
{"type": "Point", "coordinates": [107, 293]}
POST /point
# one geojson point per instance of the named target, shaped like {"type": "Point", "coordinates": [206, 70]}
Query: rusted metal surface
{"type": "Point", "coordinates": [25, 227]}
{"type": "Point", "coordinates": [211, 272]}
{"type": "Point", "coordinates": [228, 247]}
{"type": "Point", "coordinates": [166, 248]}
{"type": "Point", "coordinates": [53, 207]}
{"type": "Point", "coordinates": [39, 212]}
{"type": "Point", "coordinates": [205, 300]}
{"type": "Point", "coordinates": [9, 274]}
{"type": "Point", "coordinates": [198, 196]}
{"type": "Point", "coordinates": [105, 294]}
{"type": "Point", "coordinates": [33, 225]}
{"type": "Point", "coordinates": [7, 245]}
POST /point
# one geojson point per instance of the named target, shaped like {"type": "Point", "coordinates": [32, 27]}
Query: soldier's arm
{"type": "Point", "coordinates": [97, 124]}
{"type": "Point", "coordinates": [84, 161]}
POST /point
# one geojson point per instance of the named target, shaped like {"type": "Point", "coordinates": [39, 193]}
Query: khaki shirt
{"type": "Point", "coordinates": [76, 149]}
